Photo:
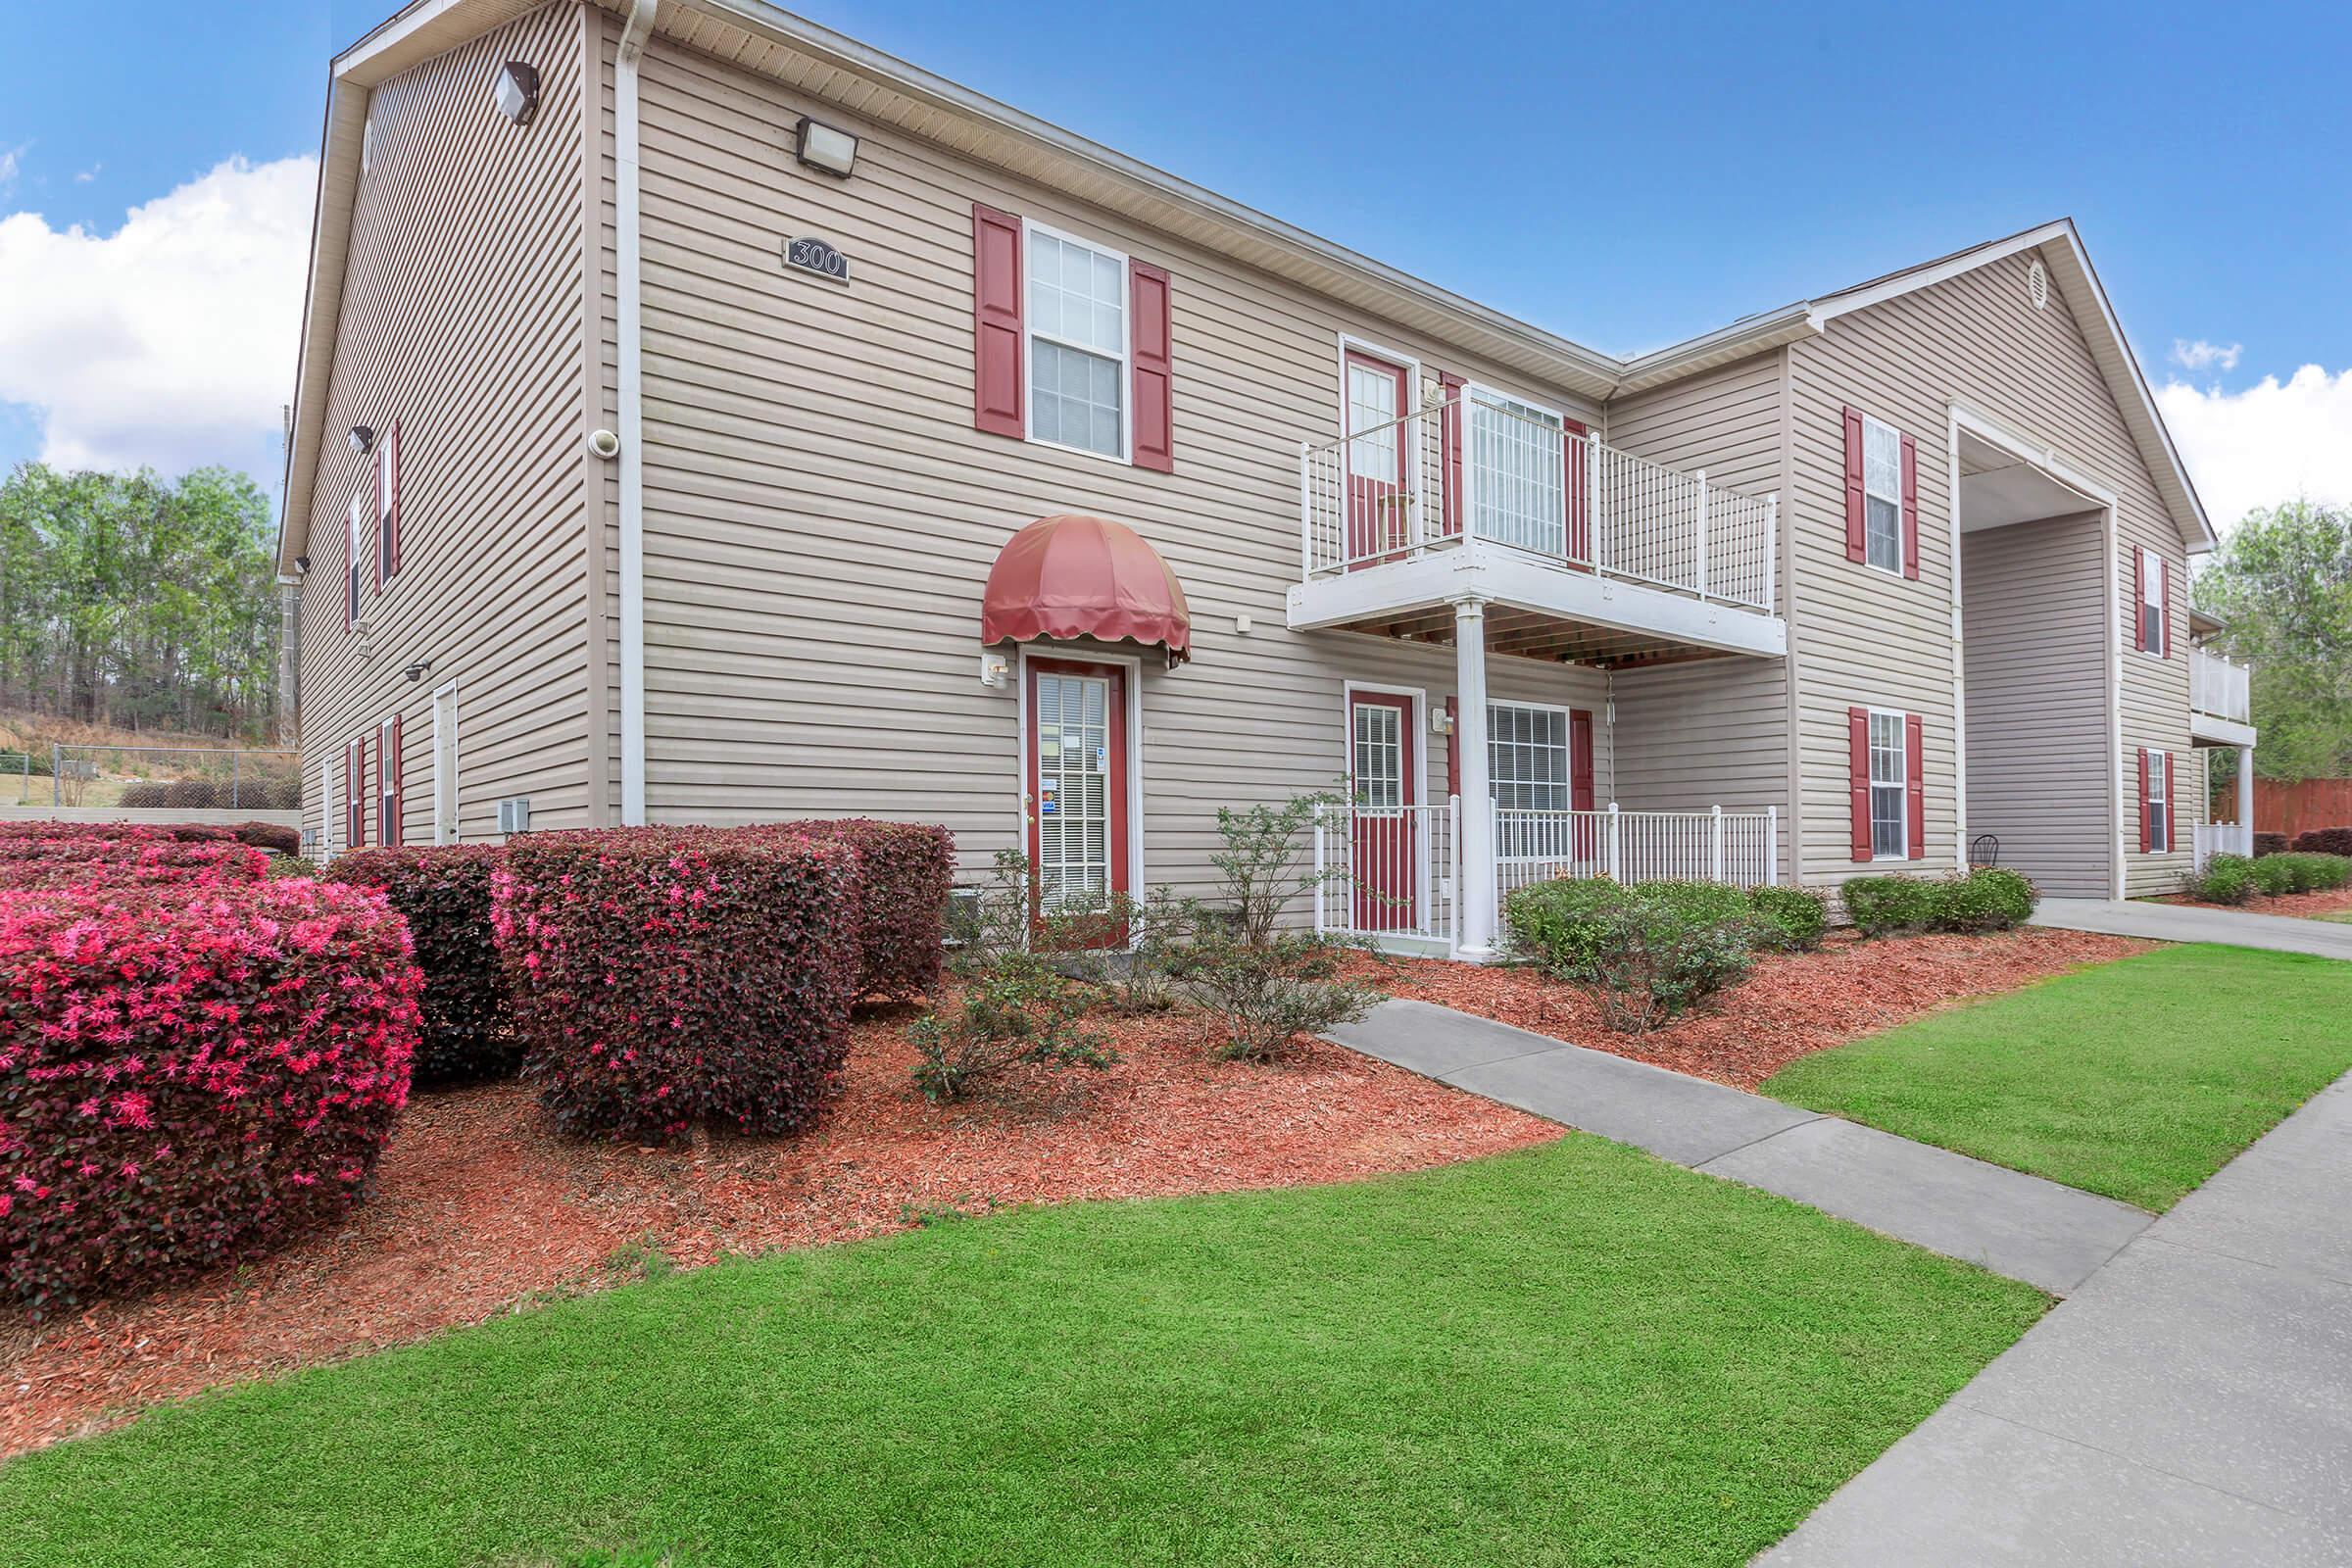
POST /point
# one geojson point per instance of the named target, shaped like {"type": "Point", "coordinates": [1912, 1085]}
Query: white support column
{"type": "Point", "coordinates": [1470, 738]}
{"type": "Point", "coordinates": [2245, 796]}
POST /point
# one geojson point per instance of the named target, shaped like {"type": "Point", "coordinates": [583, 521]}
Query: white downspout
{"type": "Point", "coordinates": [632, 411]}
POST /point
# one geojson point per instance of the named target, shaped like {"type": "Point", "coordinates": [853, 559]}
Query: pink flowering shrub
{"type": "Point", "coordinates": [189, 1076]}
{"type": "Point", "coordinates": [443, 894]}
{"type": "Point", "coordinates": [81, 861]}
{"type": "Point", "coordinates": [662, 978]}
{"type": "Point", "coordinates": [905, 871]}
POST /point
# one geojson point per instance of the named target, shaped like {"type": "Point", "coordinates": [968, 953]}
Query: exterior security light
{"type": "Point", "coordinates": [415, 671]}
{"type": "Point", "coordinates": [519, 91]}
{"type": "Point", "coordinates": [302, 565]}
{"type": "Point", "coordinates": [825, 149]}
{"type": "Point", "coordinates": [361, 438]}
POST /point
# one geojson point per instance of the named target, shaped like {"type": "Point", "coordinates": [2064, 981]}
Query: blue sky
{"type": "Point", "coordinates": [1626, 177]}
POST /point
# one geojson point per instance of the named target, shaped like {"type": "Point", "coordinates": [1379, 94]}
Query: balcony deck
{"type": "Point", "coordinates": [2220, 708]}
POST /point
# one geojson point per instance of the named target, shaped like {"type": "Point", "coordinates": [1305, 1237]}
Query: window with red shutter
{"type": "Point", "coordinates": [2164, 608]}
{"type": "Point", "coordinates": [1910, 507]}
{"type": "Point", "coordinates": [1579, 521]}
{"type": "Point", "coordinates": [355, 534]}
{"type": "Point", "coordinates": [1856, 505]}
{"type": "Point", "coordinates": [2146, 823]}
{"type": "Point", "coordinates": [1154, 369]}
{"type": "Point", "coordinates": [1878, 530]}
{"type": "Point", "coordinates": [387, 505]}
{"type": "Point", "coordinates": [387, 783]}
{"type": "Point", "coordinates": [354, 792]}
{"type": "Point", "coordinates": [996, 398]}
{"type": "Point", "coordinates": [1915, 786]}
{"type": "Point", "coordinates": [1857, 721]}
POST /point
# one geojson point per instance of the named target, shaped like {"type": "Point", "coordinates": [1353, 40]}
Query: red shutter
{"type": "Point", "coordinates": [1915, 783]}
{"type": "Point", "coordinates": [1452, 419]}
{"type": "Point", "coordinates": [1580, 525]}
{"type": "Point", "coordinates": [2139, 617]}
{"type": "Point", "coordinates": [2171, 800]}
{"type": "Point", "coordinates": [1857, 725]}
{"type": "Point", "coordinates": [1856, 549]}
{"type": "Point", "coordinates": [2145, 838]}
{"type": "Point", "coordinates": [2164, 606]}
{"type": "Point", "coordinates": [1454, 746]}
{"type": "Point", "coordinates": [997, 323]}
{"type": "Point", "coordinates": [1910, 509]}
{"type": "Point", "coordinates": [1155, 406]}
{"type": "Point", "coordinates": [1580, 760]}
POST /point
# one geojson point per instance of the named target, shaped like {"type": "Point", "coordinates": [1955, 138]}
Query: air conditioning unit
{"type": "Point", "coordinates": [515, 816]}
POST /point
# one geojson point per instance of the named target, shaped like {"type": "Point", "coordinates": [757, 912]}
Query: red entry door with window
{"type": "Point", "coordinates": [1379, 500]}
{"type": "Point", "coordinates": [1078, 829]}
{"type": "Point", "coordinates": [1383, 848]}
{"type": "Point", "coordinates": [1580, 783]}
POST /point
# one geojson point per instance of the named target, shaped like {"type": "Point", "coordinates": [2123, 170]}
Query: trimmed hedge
{"type": "Point", "coordinates": [134, 832]}
{"type": "Point", "coordinates": [2269, 844]}
{"type": "Point", "coordinates": [905, 871]}
{"type": "Point", "coordinates": [268, 794]}
{"type": "Point", "coordinates": [1987, 899]}
{"type": "Point", "coordinates": [2228, 879]}
{"type": "Point", "coordinates": [1791, 919]}
{"type": "Point", "coordinates": [1561, 922]}
{"type": "Point", "coordinates": [663, 978]}
{"type": "Point", "coordinates": [2325, 841]}
{"type": "Point", "coordinates": [467, 1032]}
{"type": "Point", "coordinates": [275, 837]}
{"type": "Point", "coordinates": [66, 862]}
{"type": "Point", "coordinates": [2297, 872]}
{"type": "Point", "coordinates": [144, 1137]}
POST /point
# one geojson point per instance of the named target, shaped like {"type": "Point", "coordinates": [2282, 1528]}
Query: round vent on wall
{"type": "Point", "coordinates": [2037, 284]}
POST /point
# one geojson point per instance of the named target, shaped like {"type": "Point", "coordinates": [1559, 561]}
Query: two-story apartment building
{"type": "Point", "coordinates": [704, 418]}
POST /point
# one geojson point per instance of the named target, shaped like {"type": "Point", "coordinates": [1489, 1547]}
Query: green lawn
{"type": "Point", "coordinates": [2136, 1079]}
{"type": "Point", "coordinates": [1573, 1355]}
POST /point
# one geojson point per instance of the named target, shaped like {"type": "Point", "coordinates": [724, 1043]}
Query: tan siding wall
{"type": "Point", "coordinates": [462, 319]}
{"type": "Point", "coordinates": [1869, 638]}
{"type": "Point", "coordinates": [1691, 737]}
{"type": "Point", "coordinates": [820, 514]}
{"type": "Point", "coordinates": [2036, 635]}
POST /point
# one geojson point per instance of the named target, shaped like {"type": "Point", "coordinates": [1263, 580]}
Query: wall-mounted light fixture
{"type": "Point", "coordinates": [361, 438]}
{"type": "Point", "coordinates": [995, 670]}
{"type": "Point", "coordinates": [416, 669]}
{"type": "Point", "coordinates": [302, 565]}
{"type": "Point", "coordinates": [824, 148]}
{"type": "Point", "coordinates": [519, 91]}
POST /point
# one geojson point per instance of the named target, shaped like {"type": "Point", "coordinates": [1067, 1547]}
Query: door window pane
{"type": "Point", "coordinates": [1073, 783]}
{"type": "Point", "coordinates": [1379, 755]}
{"type": "Point", "coordinates": [1518, 481]}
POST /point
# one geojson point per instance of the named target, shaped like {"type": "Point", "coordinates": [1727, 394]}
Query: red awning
{"type": "Point", "coordinates": [1066, 577]}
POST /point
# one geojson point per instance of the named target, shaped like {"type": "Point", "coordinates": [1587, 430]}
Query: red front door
{"type": "Point", "coordinates": [1580, 782]}
{"type": "Point", "coordinates": [1379, 500]}
{"type": "Point", "coordinates": [1078, 829]}
{"type": "Point", "coordinates": [1385, 840]}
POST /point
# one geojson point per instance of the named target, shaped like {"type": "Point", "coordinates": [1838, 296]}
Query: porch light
{"type": "Point", "coordinates": [825, 149]}
{"type": "Point", "coordinates": [361, 438]}
{"type": "Point", "coordinates": [519, 91]}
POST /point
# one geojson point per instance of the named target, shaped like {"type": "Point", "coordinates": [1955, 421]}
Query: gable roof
{"type": "Point", "coordinates": [764, 39]}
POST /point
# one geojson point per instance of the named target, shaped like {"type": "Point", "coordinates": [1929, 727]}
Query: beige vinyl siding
{"type": "Point", "coordinates": [1691, 737]}
{"type": "Point", "coordinates": [1868, 638]}
{"type": "Point", "coordinates": [462, 318]}
{"type": "Point", "coordinates": [2034, 619]}
{"type": "Point", "coordinates": [820, 514]}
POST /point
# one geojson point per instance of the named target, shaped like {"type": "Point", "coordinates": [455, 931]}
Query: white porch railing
{"type": "Point", "coordinates": [2218, 687]}
{"type": "Point", "coordinates": [1511, 475]}
{"type": "Point", "coordinates": [1389, 870]}
{"type": "Point", "coordinates": [2222, 838]}
{"type": "Point", "coordinates": [1742, 847]}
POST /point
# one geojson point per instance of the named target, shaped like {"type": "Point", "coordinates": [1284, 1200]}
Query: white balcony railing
{"type": "Point", "coordinates": [1742, 847]}
{"type": "Point", "coordinates": [2222, 838]}
{"type": "Point", "coordinates": [2217, 687]}
{"type": "Point", "coordinates": [1513, 476]}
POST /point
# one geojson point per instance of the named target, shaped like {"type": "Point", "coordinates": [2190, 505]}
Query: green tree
{"type": "Point", "coordinates": [128, 600]}
{"type": "Point", "coordinates": [2282, 586]}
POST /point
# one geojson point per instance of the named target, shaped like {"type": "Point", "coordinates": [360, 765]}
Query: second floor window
{"type": "Point", "coordinates": [1883, 495]}
{"type": "Point", "coordinates": [1077, 344]}
{"type": "Point", "coordinates": [2152, 580]}
{"type": "Point", "coordinates": [355, 545]}
{"type": "Point", "coordinates": [1890, 781]}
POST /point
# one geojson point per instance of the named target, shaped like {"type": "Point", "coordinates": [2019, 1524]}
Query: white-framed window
{"type": "Point", "coordinates": [387, 504]}
{"type": "Point", "coordinates": [1518, 473]}
{"type": "Point", "coordinates": [1882, 496]}
{"type": "Point", "coordinates": [387, 783]}
{"type": "Point", "coordinates": [2160, 802]}
{"type": "Point", "coordinates": [2151, 598]}
{"type": "Point", "coordinates": [1076, 319]}
{"type": "Point", "coordinates": [1890, 786]}
{"type": "Point", "coordinates": [1527, 763]}
{"type": "Point", "coordinates": [355, 544]}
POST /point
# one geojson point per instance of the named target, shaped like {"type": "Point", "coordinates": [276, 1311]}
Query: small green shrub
{"type": "Point", "coordinates": [1557, 925]}
{"type": "Point", "coordinates": [1657, 957]}
{"type": "Point", "coordinates": [1989, 899]}
{"type": "Point", "coordinates": [1789, 920]}
{"type": "Point", "coordinates": [2228, 879]}
{"type": "Point", "coordinates": [1020, 1012]}
{"type": "Point", "coordinates": [2301, 872]}
{"type": "Point", "coordinates": [1890, 905]}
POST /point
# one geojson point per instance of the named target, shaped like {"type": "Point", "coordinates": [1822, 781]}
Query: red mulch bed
{"type": "Point", "coordinates": [480, 1204]}
{"type": "Point", "coordinates": [2335, 900]}
{"type": "Point", "coordinates": [1791, 1006]}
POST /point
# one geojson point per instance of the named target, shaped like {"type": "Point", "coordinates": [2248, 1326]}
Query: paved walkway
{"type": "Point", "coordinates": [2013, 1224]}
{"type": "Point", "coordinates": [2176, 922]}
{"type": "Point", "coordinates": [2191, 1405]}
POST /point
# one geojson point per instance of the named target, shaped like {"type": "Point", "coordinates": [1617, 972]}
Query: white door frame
{"type": "Point", "coordinates": [444, 751]}
{"type": "Point", "coordinates": [1133, 665]}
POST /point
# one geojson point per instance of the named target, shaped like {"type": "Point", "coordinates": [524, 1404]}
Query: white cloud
{"type": "Point", "coordinates": [82, 177]}
{"type": "Point", "coordinates": [11, 159]}
{"type": "Point", "coordinates": [2203, 356]}
{"type": "Point", "coordinates": [2272, 442]}
{"type": "Point", "coordinates": [171, 341]}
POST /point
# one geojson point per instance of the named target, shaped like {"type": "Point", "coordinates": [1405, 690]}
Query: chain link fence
{"type": "Point", "coordinates": [178, 778]}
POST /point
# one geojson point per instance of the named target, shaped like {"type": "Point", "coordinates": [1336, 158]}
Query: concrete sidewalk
{"type": "Point", "coordinates": [2191, 1405]}
{"type": "Point", "coordinates": [2014, 1224]}
{"type": "Point", "coordinates": [2176, 922]}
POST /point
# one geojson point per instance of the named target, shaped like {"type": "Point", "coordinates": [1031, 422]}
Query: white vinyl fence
{"type": "Point", "coordinates": [1741, 848]}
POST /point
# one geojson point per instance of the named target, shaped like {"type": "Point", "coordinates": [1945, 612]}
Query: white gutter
{"type": "Point", "coordinates": [632, 413]}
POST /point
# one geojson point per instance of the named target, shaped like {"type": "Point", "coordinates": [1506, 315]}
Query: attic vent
{"type": "Point", "coordinates": [2037, 284]}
